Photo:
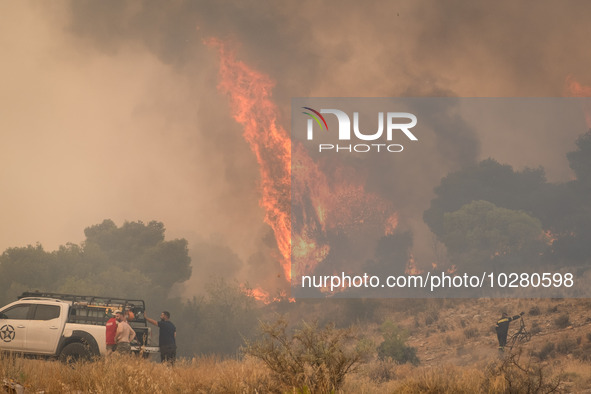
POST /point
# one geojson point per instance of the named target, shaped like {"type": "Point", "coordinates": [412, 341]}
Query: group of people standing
{"type": "Point", "coordinates": [119, 335]}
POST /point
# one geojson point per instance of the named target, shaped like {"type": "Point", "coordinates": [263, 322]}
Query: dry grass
{"type": "Point", "coordinates": [576, 374]}
{"type": "Point", "coordinates": [451, 360]}
{"type": "Point", "coordinates": [445, 379]}
{"type": "Point", "coordinates": [212, 375]}
{"type": "Point", "coordinates": [508, 375]}
{"type": "Point", "coordinates": [134, 375]}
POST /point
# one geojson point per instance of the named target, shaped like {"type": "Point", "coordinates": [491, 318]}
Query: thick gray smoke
{"type": "Point", "coordinates": [111, 108]}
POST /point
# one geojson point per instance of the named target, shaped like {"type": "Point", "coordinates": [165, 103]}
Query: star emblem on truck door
{"type": "Point", "coordinates": [7, 333]}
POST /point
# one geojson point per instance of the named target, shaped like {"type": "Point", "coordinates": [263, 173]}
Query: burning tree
{"type": "Point", "coordinates": [304, 206]}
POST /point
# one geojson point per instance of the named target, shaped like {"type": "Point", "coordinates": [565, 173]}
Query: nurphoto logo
{"type": "Point", "coordinates": [396, 122]}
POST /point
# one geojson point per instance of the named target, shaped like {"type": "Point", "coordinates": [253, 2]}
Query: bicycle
{"type": "Point", "coordinates": [521, 336]}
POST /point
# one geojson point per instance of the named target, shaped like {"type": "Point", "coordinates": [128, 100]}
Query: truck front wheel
{"type": "Point", "coordinates": [75, 351]}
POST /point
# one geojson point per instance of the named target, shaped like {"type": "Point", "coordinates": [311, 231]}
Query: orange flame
{"type": "Point", "coordinates": [549, 237]}
{"type": "Point", "coordinates": [326, 205]}
{"type": "Point", "coordinates": [411, 267]}
{"type": "Point", "coordinates": [575, 89]}
{"type": "Point", "coordinates": [259, 294]}
{"type": "Point", "coordinates": [250, 97]}
{"type": "Point", "coordinates": [391, 224]}
{"type": "Point", "coordinates": [330, 204]}
{"type": "Point", "coordinates": [264, 296]}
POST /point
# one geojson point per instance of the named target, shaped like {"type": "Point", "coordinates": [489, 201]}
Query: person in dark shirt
{"type": "Point", "coordinates": [167, 337]}
{"type": "Point", "coordinates": [502, 329]}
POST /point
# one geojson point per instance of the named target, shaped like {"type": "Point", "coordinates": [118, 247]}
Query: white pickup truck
{"type": "Point", "coordinates": [67, 326]}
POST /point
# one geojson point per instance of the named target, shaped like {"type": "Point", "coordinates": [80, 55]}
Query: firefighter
{"type": "Point", "coordinates": [502, 329]}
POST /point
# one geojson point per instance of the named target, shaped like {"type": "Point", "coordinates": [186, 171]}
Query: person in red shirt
{"type": "Point", "coordinates": [111, 330]}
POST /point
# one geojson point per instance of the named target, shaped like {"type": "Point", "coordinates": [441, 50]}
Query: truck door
{"type": "Point", "coordinates": [45, 328]}
{"type": "Point", "coordinates": [13, 327]}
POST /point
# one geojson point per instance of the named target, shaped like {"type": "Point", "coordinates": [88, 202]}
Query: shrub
{"type": "Point", "coordinates": [432, 317]}
{"type": "Point", "coordinates": [471, 332]}
{"type": "Point", "coordinates": [223, 317]}
{"type": "Point", "coordinates": [382, 371]}
{"type": "Point", "coordinates": [394, 345]}
{"type": "Point", "coordinates": [535, 328]}
{"type": "Point", "coordinates": [534, 311]}
{"type": "Point", "coordinates": [367, 348]}
{"type": "Point", "coordinates": [584, 353]}
{"type": "Point", "coordinates": [566, 345]}
{"type": "Point", "coordinates": [562, 321]}
{"type": "Point", "coordinates": [530, 377]}
{"type": "Point", "coordinates": [545, 351]}
{"type": "Point", "coordinates": [311, 359]}
{"type": "Point", "coordinates": [417, 322]}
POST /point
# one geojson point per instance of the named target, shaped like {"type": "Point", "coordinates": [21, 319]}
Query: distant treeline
{"type": "Point", "coordinates": [489, 216]}
{"type": "Point", "coordinates": [135, 261]}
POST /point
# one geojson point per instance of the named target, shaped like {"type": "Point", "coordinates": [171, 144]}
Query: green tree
{"type": "Point", "coordinates": [136, 245]}
{"type": "Point", "coordinates": [219, 321]}
{"type": "Point", "coordinates": [580, 160]}
{"type": "Point", "coordinates": [564, 209]}
{"type": "Point", "coordinates": [490, 181]}
{"type": "Point", "coordinates": [480, 233]}
{"type": "Point", "coordinates": [394, 345]}
{"type": "Point", "coordinates": [25, 268]}
{"type": "Point", "coordinates": [133, 260]}
{"type": "Point", "coordinates": [115, 282]}
{"type": "Point", "coordinates": [573, 229]}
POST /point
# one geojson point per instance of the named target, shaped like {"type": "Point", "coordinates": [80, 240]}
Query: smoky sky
{"type": "Point", "coordinates": [111, 109]}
